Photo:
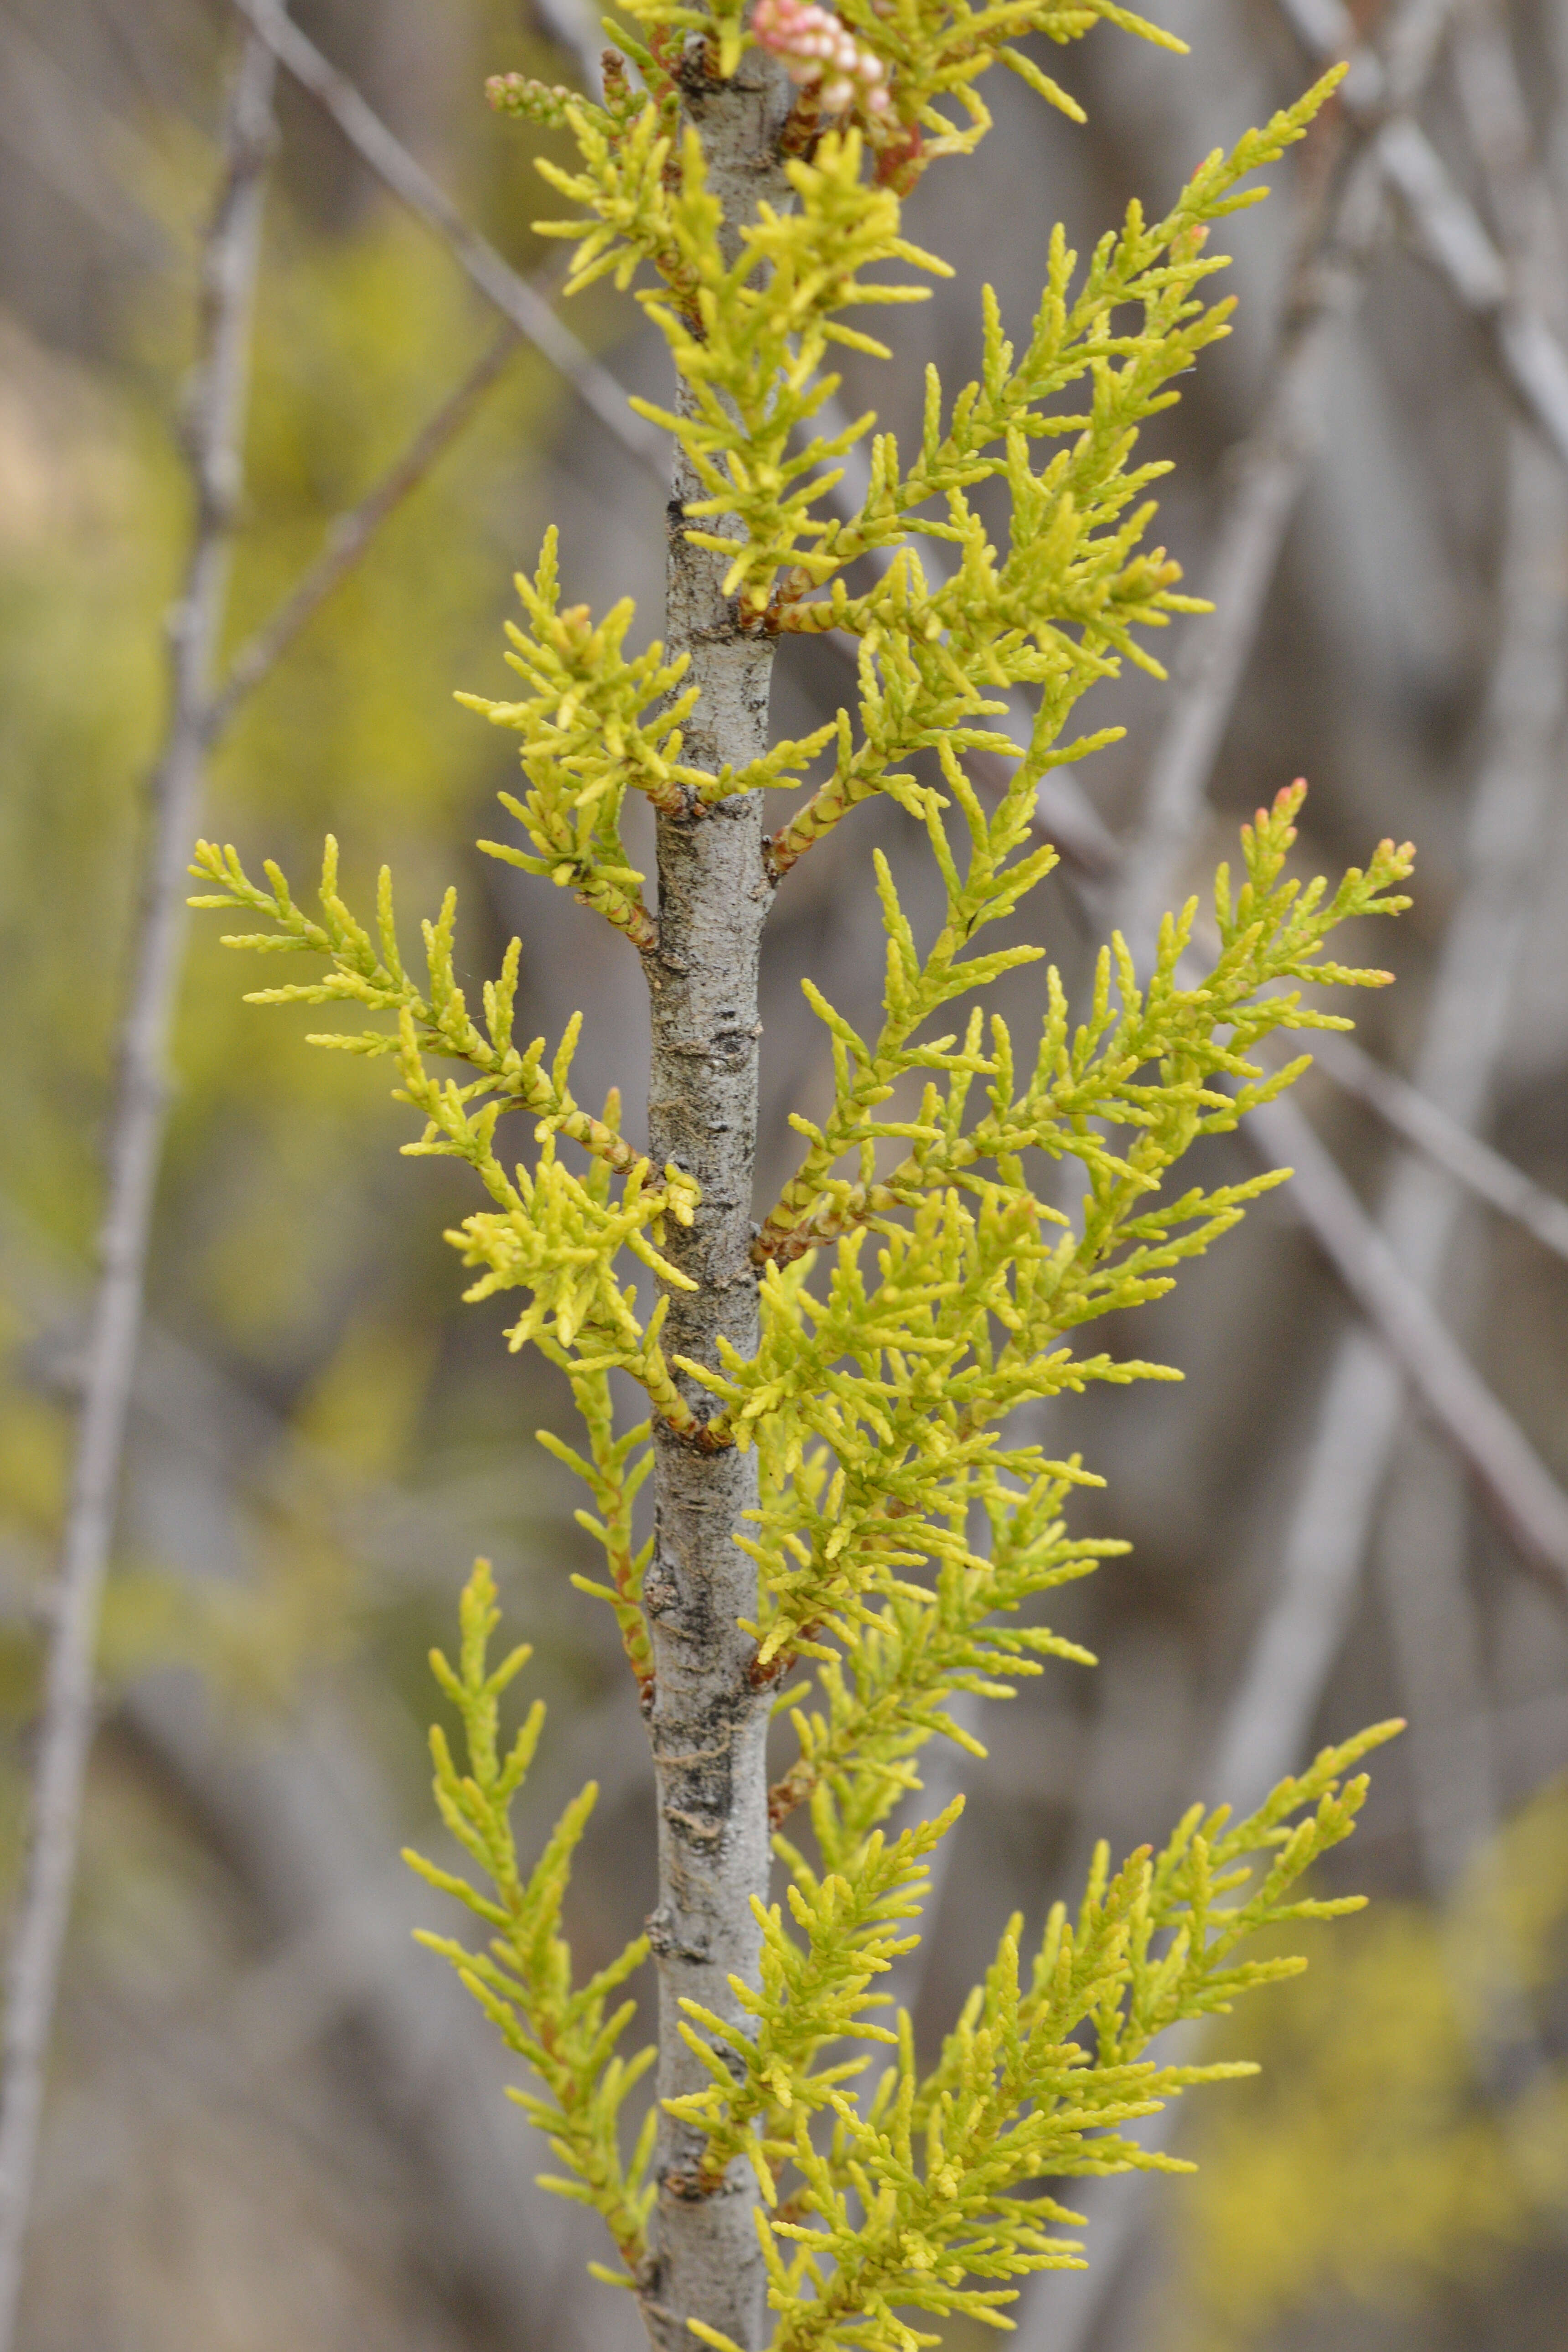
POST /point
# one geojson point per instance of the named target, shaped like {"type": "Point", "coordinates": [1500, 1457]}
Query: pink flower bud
{"type": "Point", "coordinates": [819, 49]}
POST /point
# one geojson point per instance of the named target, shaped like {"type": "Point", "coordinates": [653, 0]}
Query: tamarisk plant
{"type": "Point", "coordinates": [848, 1528]}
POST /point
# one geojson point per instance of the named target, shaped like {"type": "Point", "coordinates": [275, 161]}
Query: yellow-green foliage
{"type": "Point", "coordinates": [1015, 2097]}
{"type": "Point", "coordinates": [936, 1381]}
{"type": "Point", "coordinates": [523, 1982]}
{"type": "Point", "coordinates": [1370, 2162]}
{"type": "Point", "coordinates": [912, 2194]}
{"type": "Point", "coordinates": [915, 1286]}
{"type": "Point", "coordinates": [355, 335]}
{"type": "Point", "coordinates": [1058, 608]}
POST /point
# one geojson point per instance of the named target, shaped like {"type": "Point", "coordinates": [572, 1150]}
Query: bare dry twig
{"type": "Point", "coordinates": [302, 1819]}
{"type": "Point", "coordinates": [1389, 1268]}
{"type": "Point", "coordinates": [1447, 228]}
{"type": "Point", "coordinates": [1266, 476]}
{"type": "Point", "coordinates": [1510, 1474]}
{"type": "Point", "coordinates": [1467, 1026]}
{"type": "Point", "coordinates": [408, 179]}
{"type": "Point", "coordinates": [1419, 1120]}
{"type": "Point", "coordinates": [1266, 472]}
{"type": "Point", "coordinates": [213, 435]}
{"type": "Point", "coordinates": [1264, 479]}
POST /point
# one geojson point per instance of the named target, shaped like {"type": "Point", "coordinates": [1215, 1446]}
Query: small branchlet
{"type": "Point", "coordinates": [886, 1690]}
{"type": "Point", "coordinates": [614, 1474]}
{"type": "Point", "coordinates": [1085, 1081]}
{"type": "Point", "coordinates": [876, 1400]}
{"type": "Point", "coordinates": [916, 2194]}
{"type": "Point", "coordinates": [813, 1994]}
{"type": "Point", "coordinates": [523, 1979]}
{"type": "Point", "coordinates": [552, 1232]}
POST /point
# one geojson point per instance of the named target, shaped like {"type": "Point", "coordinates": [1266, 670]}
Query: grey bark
{"type": "Point", "coordinates": [134, 1149]}
{"type": "Point", "coordinates": [709, 1717]}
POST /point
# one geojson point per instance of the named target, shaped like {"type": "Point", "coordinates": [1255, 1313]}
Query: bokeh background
{"type": "Point", "coordinates": [272, 2120]}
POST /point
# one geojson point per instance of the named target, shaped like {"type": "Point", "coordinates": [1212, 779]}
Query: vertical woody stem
{"type": "Point", "coordinates": [709, 1720]}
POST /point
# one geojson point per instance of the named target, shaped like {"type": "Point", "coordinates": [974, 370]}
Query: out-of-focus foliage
{"type": "Point", "coordinates": [83, 468]}
{"type": "Point", "coordinates": [1395, 2142]}
{"type": "Point", "coordinates": [360, 715]}
{"type": "Point", "coordinates": [297, 1392]}
{"type": "Point", "coordinates": [361, 719]}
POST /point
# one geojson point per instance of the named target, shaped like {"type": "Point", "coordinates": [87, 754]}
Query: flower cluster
{"type": "Point", "coordinates": [818, 49]}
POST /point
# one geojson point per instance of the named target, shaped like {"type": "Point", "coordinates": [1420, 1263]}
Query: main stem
{"type": "Point", "coordinates": [709, 1719]}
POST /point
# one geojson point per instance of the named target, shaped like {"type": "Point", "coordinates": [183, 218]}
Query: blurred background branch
{"type": "Point", "coordinates": [213, 428]}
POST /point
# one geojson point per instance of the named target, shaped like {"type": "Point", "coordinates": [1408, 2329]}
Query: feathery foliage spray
{"type": "Point", "coordinates": [830, 1390]}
